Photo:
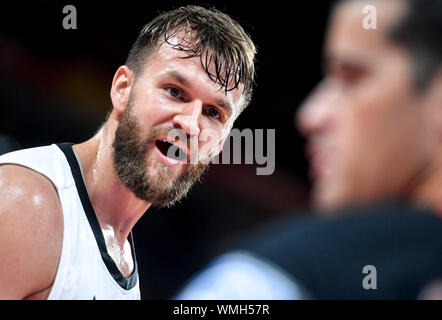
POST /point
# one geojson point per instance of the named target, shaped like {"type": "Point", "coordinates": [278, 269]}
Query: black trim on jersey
{"type": "Point", "coordinates": [125, 283]}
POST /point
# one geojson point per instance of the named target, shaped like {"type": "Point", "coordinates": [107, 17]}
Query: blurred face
{"type": "Point", "coordinates": [367, 128]}
{"type": "Point", "coordinates": [175, 121]}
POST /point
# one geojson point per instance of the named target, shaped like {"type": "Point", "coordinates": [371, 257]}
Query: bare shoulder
{"type": "Point", "coordinates": [31, 228]}
{"type": "Point", "coordinates": [18, 183]}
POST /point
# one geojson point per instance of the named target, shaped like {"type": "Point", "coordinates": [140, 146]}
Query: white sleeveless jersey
{"type": "Point", "coordinates": [85, 270]}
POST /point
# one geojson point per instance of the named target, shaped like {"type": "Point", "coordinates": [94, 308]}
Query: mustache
{"type": "Point", "coordinates": [176, 134]}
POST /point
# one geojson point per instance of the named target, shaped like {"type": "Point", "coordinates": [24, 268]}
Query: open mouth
{"type": "Point", "coordinates": [171, 150]}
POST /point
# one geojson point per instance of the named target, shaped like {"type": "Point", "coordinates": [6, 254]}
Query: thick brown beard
{"type": "Point", "coordinates": [129, 157]}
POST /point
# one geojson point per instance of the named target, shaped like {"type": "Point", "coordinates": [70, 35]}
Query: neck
{"type": "Point", "coordinates": [116, 207]}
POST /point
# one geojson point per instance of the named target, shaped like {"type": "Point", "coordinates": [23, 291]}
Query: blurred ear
{"type": "Point", "coordinates": [437, 100]}
{"type": "Point", "coordinates": [120, 90]}
{"type": "Point", "coordinates": [438, 88]}
{"type": "Point", "coordinates": [433, 101]}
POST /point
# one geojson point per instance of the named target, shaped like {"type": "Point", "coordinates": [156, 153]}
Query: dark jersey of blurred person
{"type": "Point", "coordinates": [67, 211]}
{"type": "Point", "coordinates": [374, 132]}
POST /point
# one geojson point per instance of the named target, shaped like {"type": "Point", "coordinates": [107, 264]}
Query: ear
{"type": "Point", "coordinates": [120, 90]}
{"type": "Point", "coordinates": [437, 88]}
{"type": "Point", "coordinates": [437, 100]}
{"type": "Point", "coordinates": [431, 104]}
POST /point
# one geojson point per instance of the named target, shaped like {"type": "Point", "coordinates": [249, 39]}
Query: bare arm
{"type": "Point", "coordinates": [31, 228]}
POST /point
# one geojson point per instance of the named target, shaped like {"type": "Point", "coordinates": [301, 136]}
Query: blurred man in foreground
{"type": "Point", "coordinates": [374, 130]}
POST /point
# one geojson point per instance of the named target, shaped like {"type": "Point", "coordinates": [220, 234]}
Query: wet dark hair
{"type": "Point", "coordinates": [221, 43]}
{"type": "Point", "coordinates": [419, 31]}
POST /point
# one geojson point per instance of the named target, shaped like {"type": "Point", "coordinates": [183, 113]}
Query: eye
{"type": "Point", "coordinates": [174, 92]}
{"type": "Point", "coordinates": [351, 74]}
{"type": "Point", "coordinates": [213, 113]}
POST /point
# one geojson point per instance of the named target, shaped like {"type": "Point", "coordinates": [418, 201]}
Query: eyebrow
{"type": "Point", "coordinates": [185, 82]}
{"type": "Point", "coordinates": [329, 60]}
{"type": "Point", "coordinates": [179, 78]}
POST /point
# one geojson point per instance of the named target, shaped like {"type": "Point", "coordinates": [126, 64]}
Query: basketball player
{"type": "Point", "coordinates": [374, 130]}
{"type": "Point", "coordinates": [66, 211]}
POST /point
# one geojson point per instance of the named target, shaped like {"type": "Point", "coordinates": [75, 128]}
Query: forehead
{"type": "Point", "coordinates": [347, 35]}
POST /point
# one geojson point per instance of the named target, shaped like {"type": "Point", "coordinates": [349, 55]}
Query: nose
{"type": "Point", "coordinates": [188, 118]}
{"type": "Point", "coordinates": [316, 113]}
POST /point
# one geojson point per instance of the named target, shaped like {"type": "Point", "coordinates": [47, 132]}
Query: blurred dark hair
{"type": "Point", "coordinates": [419, 31]}
{"type": "Point", "coordinates": [217, 39]}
